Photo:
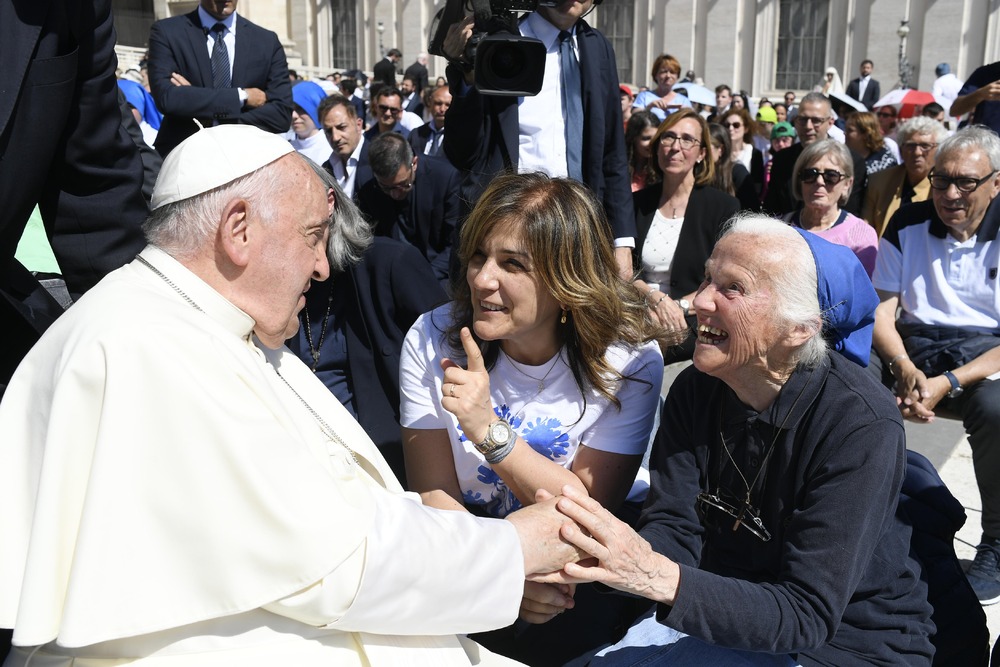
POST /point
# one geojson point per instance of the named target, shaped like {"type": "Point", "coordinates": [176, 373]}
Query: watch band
{"type": "Point", "coordinates": [493, 449]}
{"type": "Point", "coordinates": [956, 386]}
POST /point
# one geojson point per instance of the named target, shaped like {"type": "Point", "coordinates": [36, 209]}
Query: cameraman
{"type": "Point", "coordinates": [488, 134]}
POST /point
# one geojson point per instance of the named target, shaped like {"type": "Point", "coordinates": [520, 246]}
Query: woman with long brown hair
{"type": "Point", "coordinates": [543, 371]}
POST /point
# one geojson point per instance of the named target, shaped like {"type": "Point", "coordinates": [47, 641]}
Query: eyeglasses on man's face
{"type": "Point", "coordinates": [964, 184]}
{"type": "Point", "coordinates": [745, 515]}
{"type": "Point", "coordinates": [830, 176]}
{"type": "Point", "coordinates": [400, 187]}
{"type": "Point", "coordinates": [668, 139]}
{"type": "Point", "coordinates": [915, 146]}
{"type": "Point", "coordinates": [810, 120]}
{"type": "Point", "coordinates": [384, 108]}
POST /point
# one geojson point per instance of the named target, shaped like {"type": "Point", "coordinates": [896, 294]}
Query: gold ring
{"type": "Point", "coordinates": [451, 392]}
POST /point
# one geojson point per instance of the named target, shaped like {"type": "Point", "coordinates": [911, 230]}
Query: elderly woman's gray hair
{"type": "Point", "coordinates": [813, 153]}
{"type": "Point", "coordinates": [350, 233]}
{"type": "Point", "coordinates": [921, 125]}
{"type": "Point", "coordinates": [971, 138]}
{"type": "Point", "coordinates": [793, 280]}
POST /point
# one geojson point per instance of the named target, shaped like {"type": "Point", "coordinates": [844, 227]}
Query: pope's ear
{"type": "Point", "coordinates": [234, 232]}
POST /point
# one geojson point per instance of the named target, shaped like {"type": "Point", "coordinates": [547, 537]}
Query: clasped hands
{"type": "Point", "coordinates": [593, 546]}
{"type": "Point", "coordinates": [916, 394]}
{"type": "Point", "coordinates": [565, 540]}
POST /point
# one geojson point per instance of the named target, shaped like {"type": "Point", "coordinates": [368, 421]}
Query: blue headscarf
{"type": "Point", "coordinates": [847, 299]}
{"type": "Point", "coordinates": [308, 95]}
{"type": "Point", "coordinates": [140, 98]}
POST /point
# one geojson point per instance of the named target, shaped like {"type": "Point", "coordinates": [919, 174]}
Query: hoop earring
{"type": "Point", "coordinates": [562, 320]}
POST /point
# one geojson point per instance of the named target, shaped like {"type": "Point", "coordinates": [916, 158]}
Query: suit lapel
{"type": "Point", "coordinates": [198, 42]}
{"type": "Point", "coordinates": [244, 45]}
{"type": "Point", "coordinates": [588, 63]}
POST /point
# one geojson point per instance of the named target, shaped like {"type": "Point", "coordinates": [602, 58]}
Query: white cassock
{"type": "Point", "coordinates": [167, 496]}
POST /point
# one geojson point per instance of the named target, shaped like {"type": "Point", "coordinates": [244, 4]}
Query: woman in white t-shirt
{"type": "Point", "coordinates": [544, 369]}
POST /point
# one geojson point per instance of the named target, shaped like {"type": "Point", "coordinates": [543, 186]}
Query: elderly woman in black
{"type": "Point", "coordinates": [770, 534]}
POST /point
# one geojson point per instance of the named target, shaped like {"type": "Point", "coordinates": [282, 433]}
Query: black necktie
{"type": "Point", "coordinates": [572, 103]}
{"type": "Point", "coordinates": [434, 142]}
{"type": "Point", "coordinates": [220, 59]}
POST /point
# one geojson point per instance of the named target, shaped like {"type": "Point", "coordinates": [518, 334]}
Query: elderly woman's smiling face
{"type": "Point", "coordinates": [739, 340]}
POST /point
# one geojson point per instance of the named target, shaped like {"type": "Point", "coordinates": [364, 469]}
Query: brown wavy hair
{"type": "Point", "coordinates": [867, 124]}
{"type": "Point", "coordinates": [563, 227]}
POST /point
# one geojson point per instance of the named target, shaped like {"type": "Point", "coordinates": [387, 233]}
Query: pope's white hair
{"type": "Point", "coordinates": [184, 228]}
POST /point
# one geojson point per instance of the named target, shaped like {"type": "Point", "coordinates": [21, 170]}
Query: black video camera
{"type": "Point", "coordinates": [505, 62]}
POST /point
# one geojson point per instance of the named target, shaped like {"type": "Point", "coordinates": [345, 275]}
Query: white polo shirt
{"type": "Point", "coordinates": [940, 280]}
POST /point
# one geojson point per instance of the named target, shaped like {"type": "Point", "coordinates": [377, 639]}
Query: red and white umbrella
{"type": "Point", "coordinates": [907, 101]}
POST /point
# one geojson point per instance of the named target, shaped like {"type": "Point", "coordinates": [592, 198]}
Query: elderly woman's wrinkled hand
{"type": "Point", "coordinates": [621, 559]}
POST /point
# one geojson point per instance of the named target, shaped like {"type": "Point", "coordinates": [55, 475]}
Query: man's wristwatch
{"type": "Point", "coordinates": [684, 304]}
{"type": "Point", "coordinates": [956, 386]}
{"type": "Point", "coordinates": [499, 437]}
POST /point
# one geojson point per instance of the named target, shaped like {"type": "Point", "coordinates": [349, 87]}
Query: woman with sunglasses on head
{"type": "Point", "coordinates": [543, 371]}
{"type": "Point", "coordinates": [822, 180]}
{"type": "Point", "coordinates": [677, 222]}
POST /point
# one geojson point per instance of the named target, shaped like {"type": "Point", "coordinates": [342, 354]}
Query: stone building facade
{"type": "Point", "coordinates": [762, 46]}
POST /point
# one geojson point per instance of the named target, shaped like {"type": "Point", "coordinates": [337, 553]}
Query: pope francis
{"type": "Point", "coordinates": [179, 489]}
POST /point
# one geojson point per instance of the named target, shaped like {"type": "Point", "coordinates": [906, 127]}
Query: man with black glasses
{"type": "Point", "coordinates": [812, 123]}
{"type": "Point", "coordinates": [414, 199]}
{"type": "Point", "coordinates": [937, 265]}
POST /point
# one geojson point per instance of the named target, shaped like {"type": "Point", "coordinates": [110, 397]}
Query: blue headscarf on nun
{"type": "Point", "coordinates": [847, 299]}
{"type": "Point", "coordinates": [140, 98]}
{"type": "Point", "coordinates": [308, 95]}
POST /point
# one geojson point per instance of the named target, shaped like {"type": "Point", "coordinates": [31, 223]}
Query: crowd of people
{"type": "Point", "coordinates": [369, 369]}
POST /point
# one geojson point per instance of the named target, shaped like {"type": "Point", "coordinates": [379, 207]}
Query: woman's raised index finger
{"type": "Point", "coordinates": [472, 352]}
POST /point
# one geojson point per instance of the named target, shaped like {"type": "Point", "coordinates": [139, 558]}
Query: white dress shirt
{"type": "Point", "coordinates": [542, 133]}
{"type": "Point", "coordinates": [228, 37]}
{"type": "Point", "coordinates": [863, 86]}
{"type": "Point", "coordinates": [345, 174]}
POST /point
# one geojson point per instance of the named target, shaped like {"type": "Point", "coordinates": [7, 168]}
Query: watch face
{"type": "Point", "coordinates": [500, 432]}
{"type": "Point", "coordinates": [684, 304]}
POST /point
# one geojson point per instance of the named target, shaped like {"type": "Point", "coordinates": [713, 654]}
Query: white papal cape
{"type": "Point", "coordinates": [166, 497]}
